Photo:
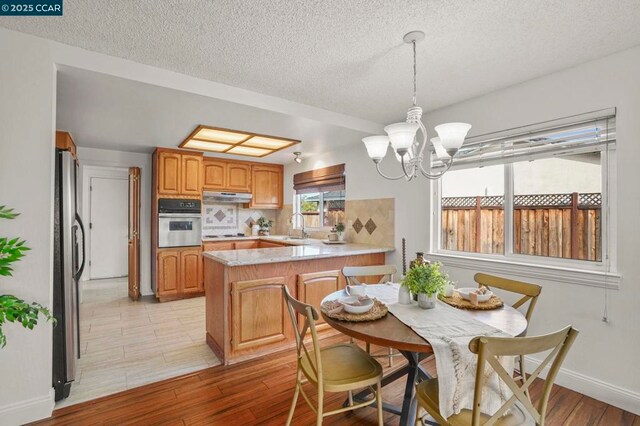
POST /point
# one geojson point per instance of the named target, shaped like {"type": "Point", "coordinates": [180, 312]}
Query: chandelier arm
{"type": "Point", "coordinates": [404, 169]}
{"type": "Point", "coordinates": [436, 175]}
{"type": "Point", "coordinates": [424, 137]}
{"type": "Point", "coordinates": [385, 176]}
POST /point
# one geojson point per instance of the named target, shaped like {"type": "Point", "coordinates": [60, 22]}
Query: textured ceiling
{"type": "Point", "coordinates": [108, 112]}
{"type": "Point", "coordinates": [348, 56]}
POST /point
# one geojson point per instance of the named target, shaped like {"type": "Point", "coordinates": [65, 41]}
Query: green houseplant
{"type": "Point", "coordinates": [12, 308]}
{"type": "Point", "coordinates": [265, 225]}
{"type": "Point", "coordinates": [427, 281]}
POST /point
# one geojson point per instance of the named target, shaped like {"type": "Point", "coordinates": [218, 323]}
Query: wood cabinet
{"type": "Point", "coordinates": [65, 142]}
{"type": "Point", "coordinates": [219, 245]}
{"type": "Point", "coordinates": [191, 268]}
{"type": "Point", "coordinates": [231, 176]}
{"type": "Point", "coordinates": [180, 273]}
{"type": "Point", "coordinates": [266, 186]}
{"type": "Point", "coordinates": [239, 177]}
{"type": "Point", "coordinates": [215, 175]}
{"type": "Point", "coordinates": [258, 313]}
{"type": "Point", "coordinates": [168, 273]}
{"type": "Point", "coordinates": [191, 172]}
{"type": "Point", "coordinates": [269, 244]}
{"type": "Point", "coordinates": [178, 174]}
{"type": "Point", "coordinates": [314, 286]}
{"type": "Point", "coordinates": [250, 244]}
{"type": "Point", "coordinates": [169, 167]}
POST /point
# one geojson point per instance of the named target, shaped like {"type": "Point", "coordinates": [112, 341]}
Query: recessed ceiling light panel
{"type": "Point", "coordinates": [227, 141]}
{"type": "Point", "coordinates": [247, 150]}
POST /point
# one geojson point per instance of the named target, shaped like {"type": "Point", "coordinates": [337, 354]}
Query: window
{"type": "Point", "coordinates": [322, 209]}
{"type": "Point", "coordinates": [536, 196]}
{"type": "Point", "coordinates": [320, 197]}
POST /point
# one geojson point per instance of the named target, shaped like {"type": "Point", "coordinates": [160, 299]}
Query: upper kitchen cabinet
{"type": "Point", "coordinates": [191, 179]}
{"type": "Point", "coordinates": [239, 177]}
{"type": "Point", "coordinates": [266, 186]}
{"type": "Point", "coordinates": [215, 174]}
{"type": "Point", "coordinates": [178, 174]}
{"type": "Point", "coordinates": [226, 175]}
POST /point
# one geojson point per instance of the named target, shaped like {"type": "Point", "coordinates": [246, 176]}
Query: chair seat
{"type": "Point", "coordinates": [427, 394]}
{"type": "Point", "coordinates": [345, 366]}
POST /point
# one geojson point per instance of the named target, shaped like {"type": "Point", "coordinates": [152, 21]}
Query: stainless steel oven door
{"type": "Point", "coordinates": [179, 230]}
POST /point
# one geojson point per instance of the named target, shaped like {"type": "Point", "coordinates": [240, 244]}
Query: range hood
{"type": "Point", "coordinates": [226, 197]}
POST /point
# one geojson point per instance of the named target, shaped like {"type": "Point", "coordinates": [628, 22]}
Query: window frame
{"type": "Point", "coordinates": [599, 274]}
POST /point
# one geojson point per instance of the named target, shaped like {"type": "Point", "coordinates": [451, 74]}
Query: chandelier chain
{"type": "Point", "coordinates": [415, 84]}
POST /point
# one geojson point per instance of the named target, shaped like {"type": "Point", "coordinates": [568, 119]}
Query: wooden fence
{"type": "Point", "coordinates": [554, 225]}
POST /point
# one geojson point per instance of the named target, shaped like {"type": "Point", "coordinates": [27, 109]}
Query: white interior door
{"type": "Point", "coordinates": [109, 227]}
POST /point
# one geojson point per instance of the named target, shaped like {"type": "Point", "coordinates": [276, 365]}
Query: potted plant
{"type": "Point", "coordinates": [12, 308]}
{"type": "Point", "coordinates": [340, 228]}
{"type": "Point", "coordinates": [427, 281]}
{"type": "Point", "coordinates": [265, 226]}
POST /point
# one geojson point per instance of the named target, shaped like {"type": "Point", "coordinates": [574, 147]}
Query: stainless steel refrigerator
{"type": "Point", "coordinates": [68, 264]}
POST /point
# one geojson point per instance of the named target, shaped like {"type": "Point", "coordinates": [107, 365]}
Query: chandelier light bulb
{"type": "Point", "coordinates": [452, 136]}
{"type": "Point", "coordinates": [402, 136]}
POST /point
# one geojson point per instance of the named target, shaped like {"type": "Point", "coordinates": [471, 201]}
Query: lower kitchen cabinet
{"type": "Point", "coordinates": [258, 313]}
{"type": "Point", "coordinates": [315, 286]}
{"type": "Point", "coordinates": [180, 273]}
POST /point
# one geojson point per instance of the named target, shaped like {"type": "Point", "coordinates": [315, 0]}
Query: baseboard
{"type": "Point", "coordinates": [595, 388]}
{"type": "Point", "coordinates": [28, 411]}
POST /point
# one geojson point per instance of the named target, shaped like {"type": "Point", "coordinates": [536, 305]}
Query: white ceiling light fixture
{"type": "Point", "coordinates": [403, 137]}
{"type": "Point", "coordinates": [298, 159]}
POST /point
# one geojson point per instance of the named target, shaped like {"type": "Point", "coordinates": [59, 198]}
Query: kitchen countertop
{"type": "Point", "coordinates": [284, 239]}
{"type": "Point", "coordinates": [292, 253]}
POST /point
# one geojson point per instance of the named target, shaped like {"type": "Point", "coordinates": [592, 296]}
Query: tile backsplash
{"type": "Point", "coordinates": [368, 222]}
{"type": "Point", "coordinates": [224, 218]}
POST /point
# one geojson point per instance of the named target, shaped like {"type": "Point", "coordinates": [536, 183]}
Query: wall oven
{"type": "Point", "coordinates": [179, 223]}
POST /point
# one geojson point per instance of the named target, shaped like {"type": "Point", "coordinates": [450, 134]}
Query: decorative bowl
{"type": "Point", "coordinates": [464, 292]}
{"type": "Point", "coordinates": [356, 305]}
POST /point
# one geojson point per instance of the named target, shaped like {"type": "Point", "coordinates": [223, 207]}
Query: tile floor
{"type": "Point", "coordinates": [127, 344]}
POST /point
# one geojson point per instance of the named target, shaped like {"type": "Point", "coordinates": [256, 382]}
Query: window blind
{"type": "Point", "coordinates": [330, 178]}
{"type": "Point", "coordinates": [580, 134]}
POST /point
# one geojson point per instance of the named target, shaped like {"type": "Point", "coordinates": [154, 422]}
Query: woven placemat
{"type": "Point", "coordinates": [458, 301]}
{"type": "Point", "coordinates": [379, 310]}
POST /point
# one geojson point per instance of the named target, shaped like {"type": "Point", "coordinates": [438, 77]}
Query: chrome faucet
{"type": "Point", "coordinates": [304, 233]}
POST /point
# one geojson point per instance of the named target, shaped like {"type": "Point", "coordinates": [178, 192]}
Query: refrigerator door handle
{"type": "Point", "coordinates": [78, 273]}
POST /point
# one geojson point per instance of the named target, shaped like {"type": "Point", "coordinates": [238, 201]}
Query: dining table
{"type": "Point", "coordinates": [390, 332]}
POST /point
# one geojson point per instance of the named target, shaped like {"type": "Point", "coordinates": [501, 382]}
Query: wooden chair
{"type": "Point", "coordinates": [529, 292]}
{"type": "Point", "coordinates": [386, 273]}
{"type": "Point", "coordinates": [336, 368]}
{"type": "Point", "coordinates": [519, 409]}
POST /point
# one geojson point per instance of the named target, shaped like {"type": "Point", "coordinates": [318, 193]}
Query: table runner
{"type": "Point", "coordinates": [449, 331]}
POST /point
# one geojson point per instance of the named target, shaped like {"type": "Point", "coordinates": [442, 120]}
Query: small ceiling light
{"type": "Point", "coordinates": [297, 159]}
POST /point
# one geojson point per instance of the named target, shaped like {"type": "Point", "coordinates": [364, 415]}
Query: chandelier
{"type": "Point", "coordinates": [403, 137]}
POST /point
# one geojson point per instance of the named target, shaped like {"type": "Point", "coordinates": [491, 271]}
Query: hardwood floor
{"type": "Point", "coordinates": [260, 391]}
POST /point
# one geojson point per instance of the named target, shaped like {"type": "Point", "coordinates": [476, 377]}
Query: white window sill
{"type": "Point", "coordinates": [529, 271]}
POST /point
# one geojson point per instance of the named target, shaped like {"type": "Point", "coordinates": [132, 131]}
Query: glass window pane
{"type": "Point", "coordinates": [310, 209]}
{"type": "Point", "coordinates": [557, 207]}
{"type": "Point", "coordinates": [473, 210]}
{"type": "Point", "coordinates": [334, 202]}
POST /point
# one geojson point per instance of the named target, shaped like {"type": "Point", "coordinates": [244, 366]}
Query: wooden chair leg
{"type": "Point", "coordinates": [295, 401]}
{"type": "Point", "coordinates": [350, 398]}
{"type": "Point", "coordinates": [368, 347]}
{"type": "Point", "coordinates": [379, 403]}
{"type": "Point", "coordinates": [523, 374]}
{"type": "Point", "coordinates": [320, 405]}
{"type": "Point", "coordinates": [390, 357]}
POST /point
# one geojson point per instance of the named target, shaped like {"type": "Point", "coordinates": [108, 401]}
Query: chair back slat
{"type": "Point", "coordinates": [490, 348]}
{"type": "Point", "coordinates": [310, 315]}
{"type": "Point", "coordinates": [529, 291]}
{"type": "Point", "coordinates": [386, 272]}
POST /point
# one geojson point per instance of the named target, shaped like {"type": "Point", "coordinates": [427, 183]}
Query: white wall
{"type": "Point", "coordinates": [121, 159]}
{"type": "Point", "coordinates": [605, 355]}
{"type": "Point", "coordinates": [27, 110]}
{"type": "Point", "coordinates": [364, 182]}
